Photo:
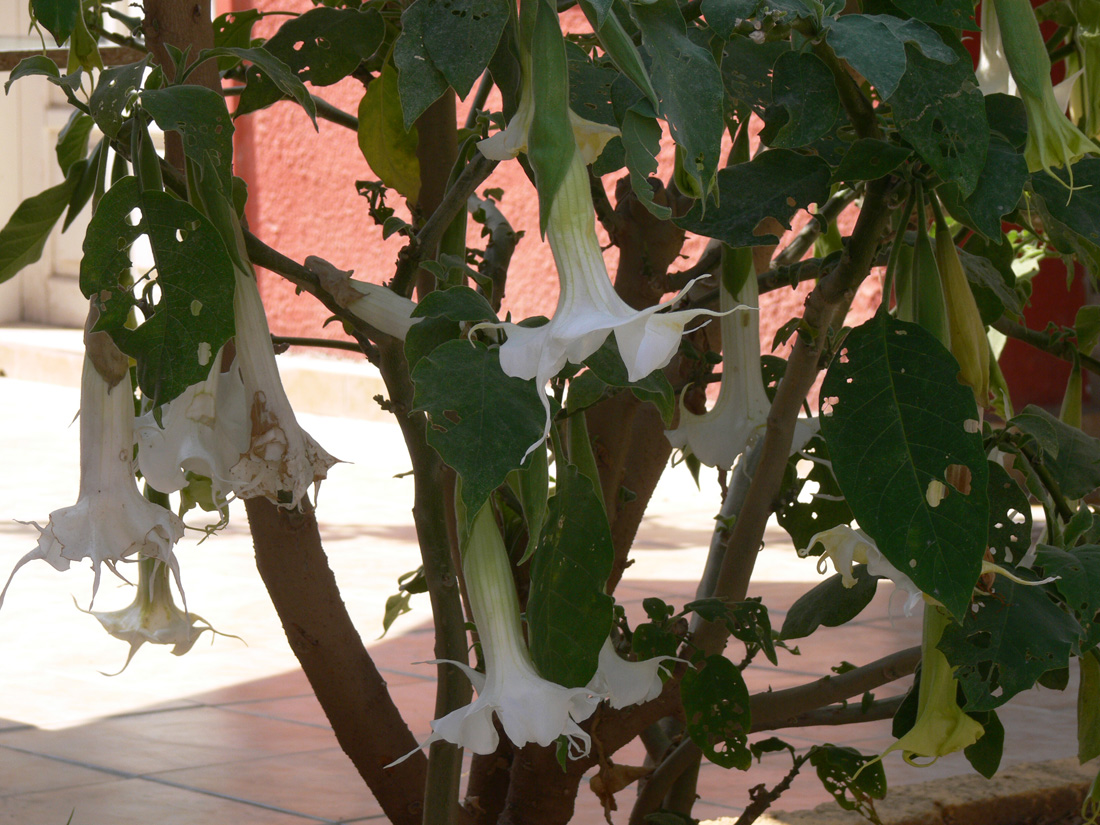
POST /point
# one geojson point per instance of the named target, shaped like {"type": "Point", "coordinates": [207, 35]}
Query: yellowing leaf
{"type": "Point", "coordinates": [388, 148]}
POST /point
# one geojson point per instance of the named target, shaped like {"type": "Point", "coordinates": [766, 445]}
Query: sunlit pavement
{"type": "Point", "coordinates": [230, 733]}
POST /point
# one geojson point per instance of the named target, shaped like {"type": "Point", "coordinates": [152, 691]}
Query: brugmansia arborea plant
{"type": "Point", "coordinates": [536, 448]}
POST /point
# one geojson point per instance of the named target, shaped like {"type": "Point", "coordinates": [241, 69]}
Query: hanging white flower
{"type": "Point", "coordinates": [282, 460]}
{"type": "Point", "coordinates": [203, 431]}
{"type": "Point", "coordinates": [111, 521]}
{"type": "Point", "coordinates": [625, 683]}
{"type": "Point", "coordinates": [530, 708]}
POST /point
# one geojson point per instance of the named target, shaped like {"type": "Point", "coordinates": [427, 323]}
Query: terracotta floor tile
{"type": "Point", "coordinates": [24, 773]}
{"type": "Point", "coordinates": [134, 802]}
{"type": "Point", "coordinates": [173, 739]}
{"type": "Point", "coordinates": [305, 710]}
{"type": "Point", "coordinates": [322, 784]}
{"type": "Point", "coordinates": [284, 685]}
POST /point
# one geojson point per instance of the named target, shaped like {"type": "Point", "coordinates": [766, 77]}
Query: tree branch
{"type": "Point", "coordinates": [1058, 346]}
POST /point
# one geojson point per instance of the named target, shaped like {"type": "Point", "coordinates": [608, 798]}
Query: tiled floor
{"type": "Point", "coordinates": [232, 734]}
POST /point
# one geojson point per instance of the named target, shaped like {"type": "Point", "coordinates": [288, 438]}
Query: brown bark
{"type": "Point", "coordinates": [349, 687]}
{"type": "Point", "coordinates": [436, 151]}
{"type": "Point", "coordinates": [487, 788]}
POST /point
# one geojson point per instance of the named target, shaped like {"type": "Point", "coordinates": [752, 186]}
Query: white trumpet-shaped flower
{"type": "Point", "coordinates": [588, 308]}
{"type": "Point", "coordinates": [382, 308]}
{"type": "Point", "coordinates": [992, 70]}
{"type": "Point", "coordinates": [529, 708]}
{"type": "Point", "coordinates": [282, 460]}
{"type": "Point", "coordinates": [624, 683]}
{"type": "Point", "coordinates": [111, 521]}
{"type": "Point", "coordinates": [203, 431]}
{"type": "Point", "coordinates": [846, 546]}
{"type": "Point", "coordinates": [153, 616]}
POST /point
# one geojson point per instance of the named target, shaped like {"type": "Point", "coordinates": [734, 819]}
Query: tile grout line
{"type": "Point", "coordinates": [229, 798]}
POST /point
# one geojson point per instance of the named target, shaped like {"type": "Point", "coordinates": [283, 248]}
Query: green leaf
{"type": "Point", "coordinates": [24, 236]}
{"type": "Point", "coordinates": [826, 507]}
{"type": "Point", "coordinates": [726, 15]}
{"type": "Point", "coordinates": [443, 312]}
{"type": "Point", "coordinates": [321, 47]}
{"type": "Point", "coordinates": [747, 71]}
{"type": "Point", "coordinates": [1009, 517]}
{"type": "Point", "coordinates": [202, 120]}
{"type": "Point", "coordinates": [532, 485]}
{"type": "Point", "coordinates": [695, 119]}
{"type": "Point", "coordinates": [550, 140]}
{"type": "Point", "coordinates": [986, 275]}
{"type": "Point", "coordinates": [193, 316]}
{"type": "Point", "coordinates": [590, 85]}
{"type": "Point", "coordinates": [806, 99]}
{"type": "Point", "coordinates": [870, 159]}
{"type": "Point", "coordinates": [568, 613]}
{"type": "Point", "coordinates": [874, 45]}
{"type": "Point", "coordinates": [1079, 584]}
{"type": "Point", "coordinates": [37, 64]}
{"type": "Point", "coordinates": [607, 364]}
{"type": "Point", "coordinates": [940, 111]}
{"type": "Point", "coordinates": [896, 418]}
{"type": "Point", "coordinates": [747, 621]}
{"type": "Point", "coordinates": [957, 14]}
{"type": "Point", "coordinates": [72, 141]}
{"type": "Point", "coordinates": [716, 704]}
{"type": "Point", "coordinates": [985, 754]}
{"type": "Point", "coordinates": [113, 95]}
{"type": "Point", "coordinates": [830, 604]}
{"type": "Point", "coordinates": [775, 184]}
{"type": "Point", "coordinates": [1014, 637]}
{"type": "Point", "coordinates": [1072, 457]}
{"type": "Point", "coordinates": [1080, 213]}
{"type": "Point", "coordinates": [619, 47]}
{"type": "Point", "coordinates": [58, 17]}
{"type": "Point", "coordinates": [480, 420]}
{"type": "Point", "coordinates": [87, 176]}
{"type": "Point", "coordinates": [267, 68]}
{"type": "Point", "coordinates": [461, 36]}
{"type": "Point", "coordinates": [641, 137]}
{"type": "Point", "coordinates": [854, 780]}
{"type": "Point", "coordinates": [387, 146]}
{"type": "Point", "coordinates": [420, 82]}
{"type": "Point", "coordinates": [235, 28]}
{"type": "Point", "coordinates": [998, 191]}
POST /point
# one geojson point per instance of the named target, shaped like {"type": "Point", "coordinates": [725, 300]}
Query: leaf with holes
{"type": "Point", "coordinates": [830, 604]}
{"type": "Point", "coordinates": [747, 71]}
{"type": "Point", "coordinates": [461, 36]}
{"type": "Point", "coordinates": [774, 184]}
{"type": "Point", "coordinates": [568, 613]}
{"type": "Point", "coordinates": [110, 101]}
{"type": "Point", "coordinates": [200, 117]}
{"type": "Point", "coordinates": [716, 704]}
{"type": "Point", "coordinates": [900, 425]}
{"type": "Point", "coordinates": [940, 111]}
{"type": "Point", "coordinates": [854, 780]}
{"type": "Point", "coordinates": [694, 119]}
{"type": "Point", "coordinates": [321, 47]}
{"type": "Point", "coordinates": [1072, 457]}
{"type": "Point", "coordinates": [480, 420]}
{"type": "Point", "coordinates": [824, 507]}
{"type": "Point", "coordinates": [1009, 517]}
{"type": "Point", "coordinates": [1014, 637]}
{"type": "Point", "coordinates": [193, 315]}
{"type": "Point", "coordinates": [1078, 570]}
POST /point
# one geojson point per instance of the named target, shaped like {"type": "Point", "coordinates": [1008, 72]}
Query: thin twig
{"type": "Point", "coordinates": [762, 798]}
{"type": "Point", "coordinates": [806, 236]}
{"type": "Point", "coordinates": [1056, 346]}
{"type": "Point", "coordinates": [324, 343]}
{"type": "Point", "coordinates": [111, 56]}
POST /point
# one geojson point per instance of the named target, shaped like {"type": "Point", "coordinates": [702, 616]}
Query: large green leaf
{"type": "Point", "coordinates": [1080, 214]}
{"type": "Point", "coordinates": [939, 109]}
{"type": "Point", "coordinates": [388, 147]}
{"type": "Point", "coordinates": [774, 184]}
{"type": "Point", "coordinates": [1009, 517]}
{"type": "Point", "coordinates": [607, 364]}
{"type": "Point", "coordinates": [1078, 570]}
{"type": "Point", "coordinates": [807, 102]}
{"type": "Point", "coordinates": [202, 120]}
{"type": "Point", "coordinates": [461, 36]}
{"type": "Point", "coordinates": [1014, 637]}
{"type": "Point", "coordinates": [957, 14]}
{"type": "Point", "coordinates": [830, 604]}
{"type": "Point", "coordinates": [266, 69]}
{"type": "Point", "coordinates": [825, 507]}
{"type": "Point", "coordinates": [37, 64]}
{"type": "Point", "coordinates": [874, 45]}
{"type": "Point", "coordinates": [726, 15]}
{"type": "Point", "coordinates": [641, 136]}
{"type": "Point", "coordinates": [716, 704]}
{"type": "Point", "coordinates": [870, 159]}
{"type": "Point", "coordinates": [999, 187]}
{"type": "Point", "coordinates": [58, 17]}
{"type": "Point", "coordinates": [442, 313]}
{"type": "Point", "coordinates": [480, 420]}
{"type": "Point", "coordinates": [896, 419]}
{"type": "Point", "coordinates": [679, 64]}
{"type": "Point", "coordinates": [568, 613]}
{"type": "Point", "coordinates": [24, 235]}
{"type": "Point", "coordinates": [72, 141]}
{"type": "Point", "coordinates": [747, 71]}
{"type": "Point", "coordinates": [420, 81]}
{"type": "Point", "coordinates": [1072, 457]}
{"type": "Point", "coordinates": [193, 316]}
{"type": "Point", "coordinates": [321, 47]}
